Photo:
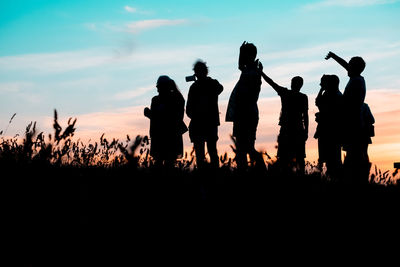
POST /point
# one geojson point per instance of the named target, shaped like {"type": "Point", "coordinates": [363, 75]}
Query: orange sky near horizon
{"type": "Point", "coordinates": [384, 104]}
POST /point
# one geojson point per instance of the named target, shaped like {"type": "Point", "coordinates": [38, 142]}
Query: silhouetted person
{"type": "Point", "coordinates": [294, 123]}
{"type": "Point", "coordinates": [329, 129]}
{"type": "Point", "coordinates": [202, 109]}
{"type": "Point", "coordinates": [367, 131]}
{"type": "Point", "coordinates": [356, 161]}
{"type": "Point", "coordinates": [242, 107]}
{"type": "Point", "coordinates": [166, 122]}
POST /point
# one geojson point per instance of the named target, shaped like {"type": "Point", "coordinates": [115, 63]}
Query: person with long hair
{"type": "Point", "coordinates": [166, 122]}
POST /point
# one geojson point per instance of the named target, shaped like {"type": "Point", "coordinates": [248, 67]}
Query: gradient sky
{"type": "Point", "coordinates": [99, 60]}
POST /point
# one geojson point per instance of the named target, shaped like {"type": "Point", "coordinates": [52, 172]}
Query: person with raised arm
{"type": "Point", "coordinates": [293, 121]}
{"type": "Point", "coordinates": [356, 162]}
{"type": "Point", "coordinates": [243, 110]}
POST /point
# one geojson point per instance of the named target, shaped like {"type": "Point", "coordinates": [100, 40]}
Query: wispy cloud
{"type": "Point", "coordinates": [309, 62]}
{"type": "Point", "coordinates": [60, 62]}
{"type": "Point", "coordinates": [90, 26]}
{"type": "Point", "coordinates": [134, 27]}
{"type": "Point", "coordinates": [348, 3]}
{"type": "Point", "coordinates": [142, 25]}
{"type": "Point", "coordinates": [53, 62]}
{"type": "Point", "coordinates": [23, 91]}
{"type": "Point", "coordinates": [130, 9]}
{"type": "Point", "coordinates": [14, 87]}
{"type": "Point", "coordinates": [126, 95]}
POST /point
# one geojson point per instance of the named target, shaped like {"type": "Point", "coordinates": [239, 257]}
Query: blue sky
{"type": "Point", "coordinates": [91, 57]}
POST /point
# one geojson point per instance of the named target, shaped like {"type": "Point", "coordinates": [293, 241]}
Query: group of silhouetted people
{"type": "Point", "coordinates": [344, 120]}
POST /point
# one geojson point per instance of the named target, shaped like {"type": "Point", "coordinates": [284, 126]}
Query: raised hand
{"type": "Point", "coordinates": [241, 64]}
{"type": "Point", "coordinates": [338, 59]}
{"type": "Point", "coordinates": [242, 46]}
{"type": "Point", "coordinates": [329, 55]}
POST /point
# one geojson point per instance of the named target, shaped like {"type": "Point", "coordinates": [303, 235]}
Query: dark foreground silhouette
{"type": "Point", "coordinates": [61, 195]}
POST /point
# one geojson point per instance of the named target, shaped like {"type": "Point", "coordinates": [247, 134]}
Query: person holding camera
{"type": "Point", "coordinates": [202, 109]}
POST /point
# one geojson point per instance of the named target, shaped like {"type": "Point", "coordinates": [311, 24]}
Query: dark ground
{"type": "Point", "coordinates": [97, 209]}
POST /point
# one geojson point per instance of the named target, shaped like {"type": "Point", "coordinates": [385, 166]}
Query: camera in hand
{"type": "Point", "coordinates": [190, 78]}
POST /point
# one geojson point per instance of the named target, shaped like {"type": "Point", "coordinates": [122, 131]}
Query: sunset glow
{"type": "Point", "coordinates": [98, 61]}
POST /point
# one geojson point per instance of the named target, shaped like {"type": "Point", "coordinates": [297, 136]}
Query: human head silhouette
{"type": "Point", "coordinates": [333, 82]}
{"type": "Point", "coordinates": [200, 69]}
{"type": "Point", "coordinates": [324, 81]}
{"type": "Point", "coordinates": [330, 82]}
{"type": "Point", "coordinates": [297, 83]}
{"type": "Point", "coordinates": [248, 54]}
{"type": "Point", "coordinates": [164, 85]}
{"type": "Point", "coordinates": [356, 66]}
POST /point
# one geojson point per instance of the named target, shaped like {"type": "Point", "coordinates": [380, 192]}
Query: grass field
{"type": "Point", "coordinates": [51, 183]}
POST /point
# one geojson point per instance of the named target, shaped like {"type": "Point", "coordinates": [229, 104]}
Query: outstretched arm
{"type": "Point", "coordinates": [274, 85]}
{"type": "Point", "coordinates": [338, 59]}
